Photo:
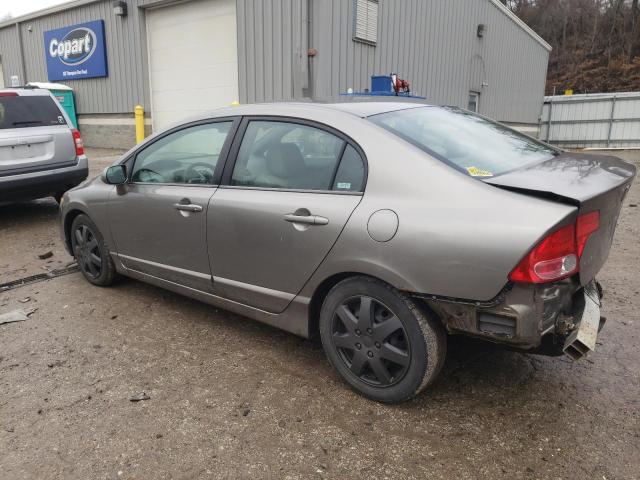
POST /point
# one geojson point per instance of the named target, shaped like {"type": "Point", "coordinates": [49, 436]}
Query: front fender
{"type": "Point", "coordinates": [90, 199]}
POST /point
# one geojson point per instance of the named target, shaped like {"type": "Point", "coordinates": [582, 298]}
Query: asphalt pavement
{"type": "Point", "coordinates": [231, 398]}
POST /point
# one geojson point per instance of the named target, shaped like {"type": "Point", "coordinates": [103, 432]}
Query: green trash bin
{"type": "Point", "coordinates": [64, 94]}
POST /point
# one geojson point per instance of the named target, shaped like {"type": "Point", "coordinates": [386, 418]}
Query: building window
{"type": "Point", "coordinates": [366, 21]}
{"type": "Point", "coordinates": [474, 102]}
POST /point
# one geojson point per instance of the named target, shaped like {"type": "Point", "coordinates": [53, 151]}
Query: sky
{"type": "Point", "coordinates": [17, 8]}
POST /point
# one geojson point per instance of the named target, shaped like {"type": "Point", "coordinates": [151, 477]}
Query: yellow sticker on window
{"type": "Point", "coordinates": [476, 172]}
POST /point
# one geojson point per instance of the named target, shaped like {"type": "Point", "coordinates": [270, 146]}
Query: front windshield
{"type": "Point", "coordinates": [467, 141]}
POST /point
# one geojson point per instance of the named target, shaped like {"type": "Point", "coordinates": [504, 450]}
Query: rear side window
{"type": "Point", "coordinates": [29, 111]}
{"type": "Point", "coordinates": [350, 174]}
{"type": "Point", "coordinates": [286, 156]}
{"type": "Point", "coordinates": [468, 142]}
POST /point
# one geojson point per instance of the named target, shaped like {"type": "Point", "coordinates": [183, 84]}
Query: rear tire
{"type": "Point", "coordinates": [381, 342]}
{"type": "Point", "coordinates": [91, 253]}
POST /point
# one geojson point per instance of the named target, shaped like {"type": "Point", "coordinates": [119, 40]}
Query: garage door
{"type": "Point", "coordinates": [193, 59]}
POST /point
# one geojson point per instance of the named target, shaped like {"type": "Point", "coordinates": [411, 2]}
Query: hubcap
{"type": "Point", "coordinates": [371, 341]}
{"type": "Point", "coordinates": [86, 251]}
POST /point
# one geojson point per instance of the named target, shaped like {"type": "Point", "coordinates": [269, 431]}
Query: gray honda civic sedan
{"type": "Point", "coordinates": [381, 227]}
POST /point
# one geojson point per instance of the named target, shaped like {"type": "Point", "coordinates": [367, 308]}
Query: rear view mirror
{"type": "Point", "coordinates": [116, 175]}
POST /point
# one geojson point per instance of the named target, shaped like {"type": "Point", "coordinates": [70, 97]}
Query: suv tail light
{"type": "Point", "coordinates": [77, 140]}
{"type": "Point", "coordinates": [8, 94]}
{"type": "Point", "coordinates": [557, 256]}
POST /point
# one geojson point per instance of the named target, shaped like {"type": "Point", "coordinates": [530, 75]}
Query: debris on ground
{"type": "Point", "coordinates": [14, 316]}
{"type": "Point", "coordinates": [25, 300]}
{"type": "Point", "coordinates": [45, 255]}
{"type": "Point", "coordinates": [139, 397]}
{"type": "Point", "coordinates": [57, 363]}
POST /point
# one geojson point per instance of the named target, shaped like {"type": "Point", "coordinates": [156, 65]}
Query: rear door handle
{"type": "Point", "coordinates": [189, 207]}
{"type": "Point", "coordinates": [306, 219]}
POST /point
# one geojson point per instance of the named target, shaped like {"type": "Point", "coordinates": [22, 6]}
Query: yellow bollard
{"type": "Point", "coordinates": [139, 116]}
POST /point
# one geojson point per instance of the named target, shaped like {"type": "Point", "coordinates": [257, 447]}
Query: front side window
{"type": "Point", "coordinates": [287, 156]}
{"type": "Point", "coordinates": [468, 142]}
{"type": "Point", "coordinates": [188, 156]}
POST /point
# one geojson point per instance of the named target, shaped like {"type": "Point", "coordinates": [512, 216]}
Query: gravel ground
{"type": "Point", "coordinates": [232, 398]}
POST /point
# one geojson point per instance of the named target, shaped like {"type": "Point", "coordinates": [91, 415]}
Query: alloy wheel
{"type": "Point", "coordinates": [86, 251]}
{"type": "Point", "coordinates": [371, 341]}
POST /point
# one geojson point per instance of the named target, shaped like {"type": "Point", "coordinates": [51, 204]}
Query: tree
{"type": "Point", "coordinates": [596, 43]}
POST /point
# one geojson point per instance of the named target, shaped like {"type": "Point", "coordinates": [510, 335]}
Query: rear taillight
{"type": "Point", "coordinates": [8, 94]}
{"type": "Point", "coordinates": [558, 255]}
{"type": "Point", "coordinates": [585, 226]}
{"type": "Point", "coordinates": [77, 140]}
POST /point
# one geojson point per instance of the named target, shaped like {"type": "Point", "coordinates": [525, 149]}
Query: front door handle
{"type": "Point", "coordinates": [188, 207]}
{"type": "Point", "coordinates": [306, 219]}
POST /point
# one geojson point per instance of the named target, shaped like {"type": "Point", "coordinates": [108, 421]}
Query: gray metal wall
{"type": "Point", "coordinates": [272, 47]}
{"type": "Point", "coordinates": [433, 44]}
{"type": "Point", "coordinates": [610, 120]}
{"type": "Point", "coordinates": [126, 55]}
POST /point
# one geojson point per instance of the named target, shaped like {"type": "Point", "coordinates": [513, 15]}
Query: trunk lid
{"type": "Point", "coordinates": [590, 182]}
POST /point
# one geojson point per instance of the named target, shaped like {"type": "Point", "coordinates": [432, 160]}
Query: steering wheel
{"type": "Point", "coordinates": [148, 175]}
{"type": "Point", "coordinates": [199, 172]}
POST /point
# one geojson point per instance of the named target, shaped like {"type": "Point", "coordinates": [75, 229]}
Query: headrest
{"type": "Point", "coordinates": [285, 160]}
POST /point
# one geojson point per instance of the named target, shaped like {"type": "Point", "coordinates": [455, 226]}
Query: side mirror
{"type": "Point", "coordinates": [115, 175]}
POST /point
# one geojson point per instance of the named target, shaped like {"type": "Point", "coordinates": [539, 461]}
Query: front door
{"type": "Point", "coordinates": [158, 219]}
{"type": "Point", "coordinates": [290, 193]}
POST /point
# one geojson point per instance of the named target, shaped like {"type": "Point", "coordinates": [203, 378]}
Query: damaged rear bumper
{"type": "Point", "coordinates": [551, 319]}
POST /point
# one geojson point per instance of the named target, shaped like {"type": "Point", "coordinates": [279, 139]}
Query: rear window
{"type": "Point", "coordinates": [464, 140]}
{"type": "Point", "coordinates": [29, 111]}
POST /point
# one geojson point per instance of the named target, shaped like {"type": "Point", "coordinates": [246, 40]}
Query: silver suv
{"type": "Point", "coordinates": [41, 154]}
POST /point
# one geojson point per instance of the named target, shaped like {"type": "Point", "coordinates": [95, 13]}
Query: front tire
{"type": "Point", "coordinates": [91, 253]}
{"type": "Point", "coordinates": [382, 344]}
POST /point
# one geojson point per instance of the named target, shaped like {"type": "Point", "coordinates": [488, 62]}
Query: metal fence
{"type": "Point", "coordinates": [604, 120]}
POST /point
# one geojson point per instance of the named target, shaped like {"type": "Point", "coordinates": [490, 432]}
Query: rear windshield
{"type": "Point", "coordinates": [464, 140]}
{"type": "Point", "coordinates": [29, 111]}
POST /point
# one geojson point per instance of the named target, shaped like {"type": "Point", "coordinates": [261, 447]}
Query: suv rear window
{"type": "Point", "coordinates": [29, 111]}
{"type": "Point", "coordinates": [468, 142]}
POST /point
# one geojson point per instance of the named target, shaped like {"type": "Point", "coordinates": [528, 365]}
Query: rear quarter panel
{"type": "Point", "coordinates": [456, 237]}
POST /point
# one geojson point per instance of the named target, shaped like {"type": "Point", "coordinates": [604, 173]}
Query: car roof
{"type": "Point", "coordinates": [361, 109]}
{"type": "Point", "coordinates": [368, 108]}
{"type": "Point", "coordinates": [26, 92]}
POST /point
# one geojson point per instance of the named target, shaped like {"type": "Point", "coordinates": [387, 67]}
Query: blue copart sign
{"type": "Point", "coordinates": [75, 52]}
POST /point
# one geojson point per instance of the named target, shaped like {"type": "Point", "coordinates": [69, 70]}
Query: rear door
{"type": "Point", "coordinates": [283, 205]}
{"type": "Point", "coordinates": [34, 134]}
